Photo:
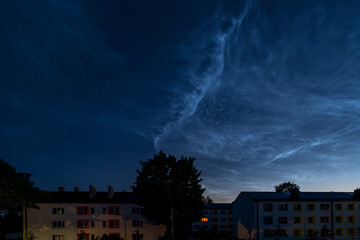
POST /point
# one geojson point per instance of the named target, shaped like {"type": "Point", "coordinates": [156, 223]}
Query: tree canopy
{"type": "Point", "coordinates": [16, 189]}
{"type": "Point", "coordinates": [165, 183]}
{"type": "Point", "coordinates": [286, 187]}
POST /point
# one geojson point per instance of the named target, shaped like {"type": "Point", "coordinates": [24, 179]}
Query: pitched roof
{"type": "Point", "coordinates": [83, 197]}
{"type": "Point", "coordinates": [302, 195]}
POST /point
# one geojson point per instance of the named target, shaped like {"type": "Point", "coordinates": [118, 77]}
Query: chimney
{"type": "Point", "coordinates": [61, 189]}
{"type": "Point", "coordinates": [110, 192]}
{"type": "Point", "coordinates": [76, 189]}
{"type": "Point", "coordinates": [92, 191]}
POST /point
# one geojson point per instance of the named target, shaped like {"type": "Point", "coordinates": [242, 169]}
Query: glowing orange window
{"type": "Point", "coordinates": [204, 219]}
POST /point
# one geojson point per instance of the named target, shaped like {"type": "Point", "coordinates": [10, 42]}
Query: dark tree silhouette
{"type": "Point", "coordinates": [286, 187]}
{"type": "Point", "coordinates": [167, 185]}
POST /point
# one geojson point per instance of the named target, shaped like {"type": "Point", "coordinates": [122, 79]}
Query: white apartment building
{"type": "Point", "coordinates": [296, 215]}
{"type": "Point", "coordinates": [65, 215]}
{"type": "Point", "coordinates": [216, 216]}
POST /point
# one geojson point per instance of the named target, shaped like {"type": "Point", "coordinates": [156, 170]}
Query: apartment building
{"type": "Point", "coordinates": [66, 215]}
{"type": "Point", "coordinates": [216, 216]}
{"type": "Point", "coordinates": [296, 215]}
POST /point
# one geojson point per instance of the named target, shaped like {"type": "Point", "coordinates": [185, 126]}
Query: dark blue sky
{"type": "Point", "coordinates": [259, 92]}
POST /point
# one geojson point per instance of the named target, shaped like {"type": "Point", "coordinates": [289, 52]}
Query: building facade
{"type": "Point", "coordinates": [66, 215]}
{"type": "Point", "coordinates": [216, 216]}
{"type": "Point", "coordinates": [296, 215]}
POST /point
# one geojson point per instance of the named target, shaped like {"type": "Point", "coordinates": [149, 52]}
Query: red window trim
{"type": "Point", "coordinates": [118, 210]}
{"type": "Point", "coordinates": [87, 212]}
{"type": "Point", "coordinates": [86, 234]}
{"type": "Point", "coordinates": [115, 220]}
{"type": "Point", "coordinates": [78, 225]}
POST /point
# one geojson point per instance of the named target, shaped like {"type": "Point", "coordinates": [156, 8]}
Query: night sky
{"type": "Point", "coordinates": [259, 92]}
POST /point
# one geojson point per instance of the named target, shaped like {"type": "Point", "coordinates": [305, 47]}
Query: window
{"type": "Point", "coordinates": [338, 207]}
{"type": "Point", "coordinates": [282, 232]}
{"type": "Point", "coordinates": [351, 231]}
{"type": "Point", "coordinates": [222, 226]}
{"type": "Point", "coordinates": [137, 236]}
{"type": "Point", "coordinates": [230, 212]}
{"type": "Point", "coordinates": [138, 223]}
{"type": "Point", "coordinates": [58, 237]}
{"type": "Point", "coordinates": [92, 224]}
{"type": "Point", "coordinates": [58, 224]}
{"type": "Point", "coordinates": [197, 226]}
{"type": "Point", "coordinates": [297, 220]}
{"type": "Point", "coordinates": [297, 233]}
{"type": "Point", "coordinates": [268, 220]}
{"type": "Point", "coordinates": [339, 232]}
{"type": "Point", "coordinates": [215, 226]}
{"type": "Point", "coordinates": [282, 220]}
{"type": "Point", "coordinates": [268, 233]}
{"type": "Point", "coordinates": [205, 212]}
{"type": "Point", "coordinates": [92, 236]}
{"type": "Point", "coordinates": [268, 207]}
{"type": "Point", "coordinates": [311, 232]}
{"type": "Point", "coordinates": [351, 219]}
{"type": "Point", "coordinates": [310, 207]}
{"type": "Point", "coordinates": [215, 212]}
{"type": "Point", "coordinates": [137, 210]}
{"type": "Point", "coordinates": [104, 224]}
{"type": "Point", "coordinates": [297, 206]}
{"type": "Point", "coordinates": [82, 210]}
{"type": "Point", "coordinates": [58, 211]}
{"type": "Point", "coordinates": [324, 207]}
{"type": "Point", "coordinates": [104, 210]}
{"type": "Point", "coordinates": [310, 219]}
{"type": "Point", "coordinates": [215, 219]}
{"type": "Point", "coordinates": [114, 210]}
{"type": "Point", "coordinates": [230, 226]}
{"type": "Point", "coordinates": [282, 207]}
{"type": "Point", "coordinates": [339, 219]}
{"type": "Point", "coordinates": [114, 223]}
{"type": "Point", "coordinates": [223, 220]}
{"type": "Point", "coordinates": [350, 206]}
{"type": "Point", "coordinates": [229, 219]}
{"type": "Point", "coordinates": [92, 210]}
{"type": "Point", "coordinates": [222, 212]}
{"type": "Point", "coordinates": [82, 223]}
{"type": "Point", "coordinates": [79, 235]}
{"type": "Point", "coordinates": [324, 220]}
{"type": "Point", "coordinates": [204, 219]}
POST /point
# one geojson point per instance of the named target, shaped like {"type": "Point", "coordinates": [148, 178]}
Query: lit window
{"type": "Point", "coordinates": [58, 211]}
{"type": "Point", "coordinates": [204, 219]}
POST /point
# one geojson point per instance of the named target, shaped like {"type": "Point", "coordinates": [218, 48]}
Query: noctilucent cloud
{"type": "Point", "coordinates": [259, 92]}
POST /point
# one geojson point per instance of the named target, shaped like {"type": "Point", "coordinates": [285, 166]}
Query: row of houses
{"type": "Point", "coordinates": [65, 215]}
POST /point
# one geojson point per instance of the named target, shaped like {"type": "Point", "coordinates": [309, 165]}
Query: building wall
{"type": "Point", "coordinates": [244, 218]}
{"type": "Point", "coordinates": [340, 222]}
{"type": "Point", "coordinates": [40, 221]}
